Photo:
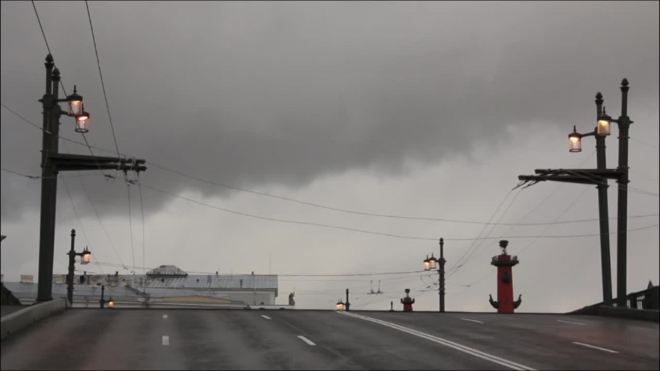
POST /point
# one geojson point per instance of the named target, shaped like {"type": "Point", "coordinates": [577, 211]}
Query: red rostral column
{"type": "Point", "coordinates": [504, 262]}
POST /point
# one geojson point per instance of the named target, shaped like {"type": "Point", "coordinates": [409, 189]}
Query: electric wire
{"type": "Point", "coordinates": [644, 143]}
{"type": "Point", "coordinates": [367, 231]}
{"type": "Point", "coordinates": [460, 260]}
{"type": "Point", "coordinates": [598, 180]}
{"type": "Point", "coordinates": [130, 222]}
{"type": "Point", "coordinates": [419, 218]}
{"type": "Point", "coordinates": [43, 33]}
{"type": "Point", "coordinates": [82, 227]}
{"type": "Point", "coordinates": [98, 216]}
{"type": "Point", "coordinates": [143, 226]}
{"type": "Point", "coordinates": [105, 95]}
{"type": "Point", "coordinates": [478, 246]}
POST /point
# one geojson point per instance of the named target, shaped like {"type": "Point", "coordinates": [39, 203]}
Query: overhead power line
{"type": "Point", "coordinates": [645, 143]}
{"type": "Point", "coordinates": [638, 174]}
{"type": "Point", "coordinates": [43, 33]}
{"type": "Point", "coordinates": [130, 222]}
{"type": "Point", "coordinates": [23, 175]}
{"type": "Point", "coordinates": [519, 224]}
{"type": "Point", "coordinates": [366, 231]}
{"type": "Point", "coordinates": [105, 95]}
{"type": "Point", "coordinates": [297, 274]}
{"type": "Point", "coordinates": [24, 119]}
{"type": "Point", "coordinates": [531, 243]}
{"type": "Point", "coordinates": [360, 212]}
{"type": "Point", "coordinates": [98, 216]}
{"type": "Point", "coordinates": [112, 125]}
{"type": "Point", "coordinates": [82, 227]}
{"type": "Point", "coordinates": [142, 212]}
{"type": "Point", "coordinates": [41, 26]}
{"type": "Point", "coordinates": [458, 263]}
{"type": "Point", "coordinates": [621, 186]}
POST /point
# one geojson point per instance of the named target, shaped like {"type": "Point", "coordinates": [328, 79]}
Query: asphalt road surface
{"type": "Point", "coordinates": [254, 339]}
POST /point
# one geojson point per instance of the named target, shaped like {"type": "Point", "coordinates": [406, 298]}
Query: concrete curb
{"type": "Point", "coordinates": [17, 321]}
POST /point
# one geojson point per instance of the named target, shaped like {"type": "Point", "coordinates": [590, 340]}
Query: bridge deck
{"type": "Point", "coordinates": [217, 339]}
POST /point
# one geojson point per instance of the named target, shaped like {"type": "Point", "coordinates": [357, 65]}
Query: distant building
{"type": "Point", "coordinates": [165, 284]}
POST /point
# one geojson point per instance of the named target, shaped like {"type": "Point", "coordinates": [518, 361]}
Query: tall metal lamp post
{"type": "Point", "coordinates": [85, 258]}
{"type": "Point", "coordinates": [52, 162]}
{"type": "Point", "coordinates": [431, 264]}
{"type": "Point", "coordinates": [102, 302]}
{"type": "Point", "coordinates": [599, 177]}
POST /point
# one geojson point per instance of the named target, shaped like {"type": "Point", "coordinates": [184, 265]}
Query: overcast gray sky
{"type": "Point", "coordinates": [419, 108]}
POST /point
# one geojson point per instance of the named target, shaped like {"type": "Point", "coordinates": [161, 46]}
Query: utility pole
{"type": "Point", "coordinates": [348, 304]}
{"type": "Point", "coordinates": [72, 262]}
{"type": "Point", "coordinates": [441, 274]}
{"type": "Point", "coordinates": [603, 210]}
{"type": "Point", "coordinates": [431, 264]}
{"type": "Point", "coordinates": [102, 301]}
{"type": "Point", "coordinates": [599, 177]}
{"type": "Point", "coordinates": [52, 162]}
{"type": "Point", "coordinates": [48, 184]}
{"type": "Point", "coordinates": [622, 221]}
{"type": "Point", "coordinates": [85, 258]}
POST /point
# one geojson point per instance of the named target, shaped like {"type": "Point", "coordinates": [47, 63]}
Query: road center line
{"type": "Point", "coordinates": [306, 340]}
{"type": "Point", "coordinates": [447, 343]}
{"type": "Point", "coordinates": [166, 340]}
{"type": "Point", "coordinates": [572, 323]}
{"type": "Point", "coordinates": [595, 347]}
{"type": "Point", "coordinates": [471, 320]}
{"type": "Point", "coordinates": [266, 317]}
{"type": "Point", "coordinates": [164, 316]}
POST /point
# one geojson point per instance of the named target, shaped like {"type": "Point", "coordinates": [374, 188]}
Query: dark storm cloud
{"type": "Point", "coordinates": [283, 93]}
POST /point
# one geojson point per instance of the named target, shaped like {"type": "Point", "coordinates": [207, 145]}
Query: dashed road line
{"type": "Point", "coordinates": [166, 340]}
{"type": "Point", "coordinates": [306, 340]}
{"type": "Point", "coordinates": [447, 343]}
{"type": "Point", "coordinates": [571, 323]}
{"type": "Point", "coordinates": [595, 347]}
{"type": "Point", "coordinates": [266, 317]}
{"type": "Point", "coordinates": [471, 320]}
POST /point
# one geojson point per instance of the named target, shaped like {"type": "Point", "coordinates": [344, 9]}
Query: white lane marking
{"type": "Point", "coordinates": [166, 340]}
{"type": "Point", "coordinates": [471, 320]}
{"type": "Point", "coordinates": [266, 317]}
{"type": "Point", "coordinates": [306, 340]}
{"type": "Point", "coordinates": [164, 316]}
{"type": "Point", "coordinates": [447, 343]}
{"type": "Point", "coordinates": [595, 347]}
{"type": "Point", "coordinates": [572, 323]}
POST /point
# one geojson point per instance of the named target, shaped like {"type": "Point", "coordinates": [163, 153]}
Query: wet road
{"type": "Point", "coordinates": [253, 339]}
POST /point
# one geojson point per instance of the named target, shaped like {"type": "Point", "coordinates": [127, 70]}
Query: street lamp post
{"type": "Point", "coordinates": [52, 162]}
{"type": "Point", "coordinates": [433, 263]}
{"type": "Point", "coordinates": [622, 218]}
{"type": "Point", "coordinates": [85, 258]}
{"type": "Point", "coordinates": [601, 132]}
{"type": "Point", "coordinates": [102, 302]}
{"type": "Point", "coordinates": [599, 177]}
{"type": "Point", "coordinates": [347, 305]}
